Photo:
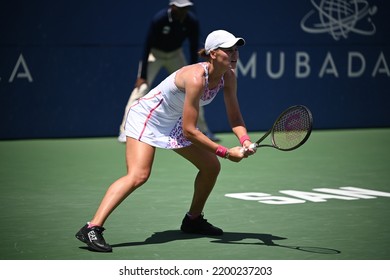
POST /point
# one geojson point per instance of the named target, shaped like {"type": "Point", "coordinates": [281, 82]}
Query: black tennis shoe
{"type": "Point", "coordinates": [199, 225]}
{"type": "Point", "coordinates": [93, 237]}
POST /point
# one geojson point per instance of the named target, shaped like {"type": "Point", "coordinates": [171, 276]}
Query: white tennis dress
{"type": "Point", "coordinates": [156, 118]}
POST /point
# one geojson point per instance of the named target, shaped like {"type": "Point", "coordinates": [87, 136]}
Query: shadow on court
{"type": "Point", "coordinates": [233, 238]}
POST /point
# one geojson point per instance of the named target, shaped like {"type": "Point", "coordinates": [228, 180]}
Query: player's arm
{"type": "Point", "coordinates": [192, 79]}
{"type": "Point", "coordinates": [194, 88]}
{"type": "Point", "coordinates": [233, 108]}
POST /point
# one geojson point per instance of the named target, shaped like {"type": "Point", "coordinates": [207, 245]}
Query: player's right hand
{"type": "Point", "coordinates": [236, 154]}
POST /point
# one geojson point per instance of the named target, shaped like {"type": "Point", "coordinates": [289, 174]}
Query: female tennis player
{"type": "Point", "coordinates": [166, 118]}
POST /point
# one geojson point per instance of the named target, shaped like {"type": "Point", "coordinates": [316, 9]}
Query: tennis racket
{"type": "Point", "coordinates": [290, 130]}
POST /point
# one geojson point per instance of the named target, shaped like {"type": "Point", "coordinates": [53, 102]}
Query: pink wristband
{"type": "Point", "coordinates": [221, 151]}
{"type": "Point", "coordinates": [244, 138]}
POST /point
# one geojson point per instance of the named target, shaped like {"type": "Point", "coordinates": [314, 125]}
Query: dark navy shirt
{"type": "Point", "coordinates": [167, 34]}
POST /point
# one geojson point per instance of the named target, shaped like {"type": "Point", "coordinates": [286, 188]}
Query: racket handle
{"type": "Point", "coordinates": [251, 146]}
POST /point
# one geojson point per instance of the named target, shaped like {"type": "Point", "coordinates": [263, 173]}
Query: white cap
{"type": "Point", "coordinates": [222, 39]}
{"type": "Point", "coordinates": [181, 3]}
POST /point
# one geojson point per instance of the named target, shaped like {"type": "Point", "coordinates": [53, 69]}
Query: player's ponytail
{"type": "Point", "coordinates": [202, 53]}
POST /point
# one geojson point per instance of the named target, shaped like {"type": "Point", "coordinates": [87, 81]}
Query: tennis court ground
{"type": "Point", "coordinates": [328, 200]}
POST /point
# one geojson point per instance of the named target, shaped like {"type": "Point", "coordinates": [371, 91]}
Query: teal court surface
{"type": "Point", "coordinates": [328, 200]}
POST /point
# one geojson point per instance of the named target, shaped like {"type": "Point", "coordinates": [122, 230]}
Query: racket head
{"type": "Point", "coordinates": [292, 128]}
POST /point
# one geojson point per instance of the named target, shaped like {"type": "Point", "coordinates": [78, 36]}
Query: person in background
{"type": "Point", "coordinates": [163, 49]}
{"type": "Point", "coordinates": [166, 118]}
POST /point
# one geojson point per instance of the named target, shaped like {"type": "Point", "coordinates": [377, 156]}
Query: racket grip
{"type": "Point", "coordinates": [251, 146]}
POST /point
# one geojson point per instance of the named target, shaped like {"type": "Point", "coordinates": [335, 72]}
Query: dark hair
{"type": "Point", "coordinates": [202, 53]}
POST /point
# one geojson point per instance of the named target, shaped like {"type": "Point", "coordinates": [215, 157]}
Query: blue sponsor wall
{"type": "Point", "coordinates": [67, 67]}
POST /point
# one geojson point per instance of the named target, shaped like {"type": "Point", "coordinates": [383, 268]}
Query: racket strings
{"type": "Point", "coordinates": [291, 128]}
